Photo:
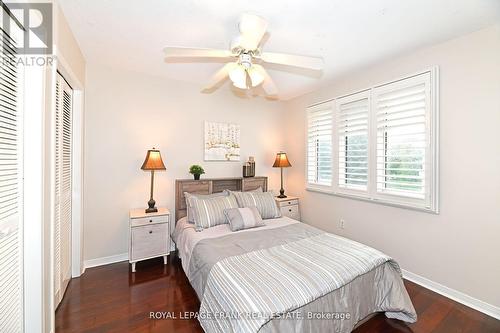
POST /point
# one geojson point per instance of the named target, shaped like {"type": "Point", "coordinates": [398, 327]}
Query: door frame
{"type": "Point", "coordinates": [63, 67]}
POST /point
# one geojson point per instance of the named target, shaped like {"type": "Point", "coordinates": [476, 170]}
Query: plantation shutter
{"type": "Point", "coordinates": [402, 117]}
{"type": "Point", "coordinates": [62, 211]}
{"type": "Point", "coordinates": [352, 136]}
{"type": "Point", "coordinates": [319, 145]}
{"type": "Point", "coordinates": [11, 240]}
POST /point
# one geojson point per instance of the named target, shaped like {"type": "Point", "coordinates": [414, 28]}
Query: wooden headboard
{"type": "Point", "coordinates": [212, 185]}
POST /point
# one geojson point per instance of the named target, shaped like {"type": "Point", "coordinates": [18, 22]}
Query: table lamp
{"type": "Point", "coordinates": [281, 162]}
{"type": "Point", "coordinates": [151, 163]}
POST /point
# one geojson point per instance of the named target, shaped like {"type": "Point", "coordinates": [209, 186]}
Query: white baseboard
{"type": "Point", "coordinates": [105, 260]}
{"type": "Point", "coordinates": [453, 294]}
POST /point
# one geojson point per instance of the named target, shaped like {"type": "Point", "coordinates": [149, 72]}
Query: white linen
{"type": "Point", "coordinates": [186, 237]}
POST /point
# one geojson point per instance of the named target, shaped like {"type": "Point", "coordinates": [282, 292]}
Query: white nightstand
{"type": "Point", "coordinates": [149, 235]}
{"type": "Point", "coordinates": [289, 206]}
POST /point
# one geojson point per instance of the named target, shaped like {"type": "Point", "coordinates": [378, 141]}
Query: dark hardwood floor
{"type": "Point", "coordinates": [112, 299]}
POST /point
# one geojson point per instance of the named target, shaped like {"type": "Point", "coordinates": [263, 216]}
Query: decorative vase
{"type": "Point", "coordinates": [249, 168]}
{"type": "Point", "coordinates": [196, 177]}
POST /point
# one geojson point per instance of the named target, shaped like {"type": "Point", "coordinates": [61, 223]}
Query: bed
{"type": "Point", "coordinates": [285, 276]}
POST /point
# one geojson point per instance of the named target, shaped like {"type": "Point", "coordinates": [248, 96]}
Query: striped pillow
{"type": "Point", "coordinates": [209, 212]}
{"type": "Point", "coordinates": [243, 218]}
{"type": "Point", "coordinates": [264, 201]}
{"type": "Point", "coordinates": [189, 205]}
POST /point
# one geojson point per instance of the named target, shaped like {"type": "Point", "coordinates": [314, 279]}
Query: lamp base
{"type": "Point", "coordinates": [151, 208]}
{"type": "Point", "coordinates": [282, 194]}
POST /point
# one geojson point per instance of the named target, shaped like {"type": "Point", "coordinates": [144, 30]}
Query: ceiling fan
{"type": "Point", "coordinates": [245, 58]}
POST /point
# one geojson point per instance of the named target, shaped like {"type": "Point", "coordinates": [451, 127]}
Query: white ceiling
{"type": "Point", "coordinates": [348, 34]}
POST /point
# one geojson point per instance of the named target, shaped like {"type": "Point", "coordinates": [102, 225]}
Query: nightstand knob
{"type": "Point", "coordinates": [290, 210]}
{"type": "Point", "coordinates": [150, 232]}
{"type": "Point", "coordinates": [289, 202]}
{"type": "Point", "coordinates": [150, 221]}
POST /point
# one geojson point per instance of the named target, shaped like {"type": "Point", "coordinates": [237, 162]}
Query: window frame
{"type": "Point", "coordinates": [430, 203]}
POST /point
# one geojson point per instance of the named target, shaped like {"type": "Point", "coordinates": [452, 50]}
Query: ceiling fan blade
{"type": "Point", "coordinates": [220, 76]}
{"type": "Point", "coordinates": [191, 52]}
{"type": "Point", "coordinates": [315, 63]}
{"type": "Point", "coordinates": [252, 29]}
{"type": "Point", "coordinates": [268, 83]}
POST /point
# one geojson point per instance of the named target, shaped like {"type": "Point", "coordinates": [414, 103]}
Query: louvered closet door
{"type": "Point", "coordinates": [63, 188]}
{"type": "Point", "coordinates": [11, 272]}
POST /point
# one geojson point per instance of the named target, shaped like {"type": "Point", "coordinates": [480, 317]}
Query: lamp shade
{"type": "Point", "coordinates": [153, 161]}
{"type": "Point", "coordinates": [239, 77]}
{"type": "Point", "coordinates": [281, 161]}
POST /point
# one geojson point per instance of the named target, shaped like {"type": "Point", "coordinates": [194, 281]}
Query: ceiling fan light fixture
{"type": "Point", "coordinates": [255, 76]}
{"type": "Point", "coordinates": [245, 59]}
{"type": "Point", "coordinates": [239, 77]}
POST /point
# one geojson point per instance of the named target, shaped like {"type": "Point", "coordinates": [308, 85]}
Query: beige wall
{"type": "Point", "coordinates": [127, 113]}
{"type": "Point", "coordinates": [67, 49]}
{"type": "Point", "coordinates": [460, 247]}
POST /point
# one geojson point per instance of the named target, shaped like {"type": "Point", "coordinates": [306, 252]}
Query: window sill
{"type": "Point", "coordinates": [376, 201]}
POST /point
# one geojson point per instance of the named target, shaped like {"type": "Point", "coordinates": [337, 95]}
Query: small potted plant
{"type": "Point", "coordinates": [196, 171]}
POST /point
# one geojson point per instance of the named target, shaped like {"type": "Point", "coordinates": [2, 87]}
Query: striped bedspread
{"type": "Point", "coordinates": [243, 292]}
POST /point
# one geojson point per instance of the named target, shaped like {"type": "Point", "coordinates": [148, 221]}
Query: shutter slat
{"type": "Point", "coordinates": [402, 183]}
{"type": "Point", "coordinates": [390, 125]}
{"type": "Point", "coordinates": [407, 110]}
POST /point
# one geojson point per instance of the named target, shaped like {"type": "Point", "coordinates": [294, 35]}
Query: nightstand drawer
{"type": "Point", "coordinates": [149, 241]}
{"type": "Point", "coordinates": [148, 220]}
{"type": "Point", "coordinates": [291, 211]}
{"type": "Point", "coordinates": [290, 202]}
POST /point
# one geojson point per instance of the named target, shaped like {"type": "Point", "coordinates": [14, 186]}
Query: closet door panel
{"type": "Point", "coordinates": [63, 187]}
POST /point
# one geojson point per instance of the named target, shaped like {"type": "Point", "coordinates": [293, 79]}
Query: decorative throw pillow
{"type": "Point", "coordinates": [264, 201]}
{"type": "Point", "coordinates": [209, 212]}
{"type": "Point", "coordinates": [189, 206]}
{"type": "Point", "coordinates": [243, 218]}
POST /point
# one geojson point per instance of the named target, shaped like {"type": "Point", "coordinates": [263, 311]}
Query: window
{"type": "Point", "coordinates": [384, 143]}
{"type": "Point", "coordinates": [319, 145]}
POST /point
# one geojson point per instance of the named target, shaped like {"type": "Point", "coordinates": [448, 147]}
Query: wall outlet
{"type": "Point", "coordinates": [342, 224]}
